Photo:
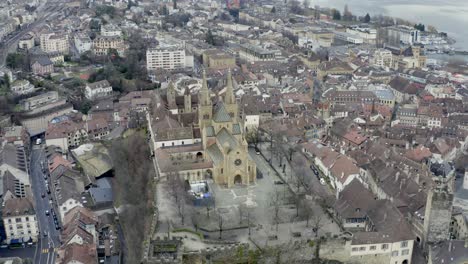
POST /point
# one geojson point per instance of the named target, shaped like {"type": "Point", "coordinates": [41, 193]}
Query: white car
{"type": "Point", "coordinates": [322, 181]}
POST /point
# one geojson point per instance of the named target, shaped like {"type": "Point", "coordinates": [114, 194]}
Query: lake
{"type": "Point", "coordinates": [449, 16]}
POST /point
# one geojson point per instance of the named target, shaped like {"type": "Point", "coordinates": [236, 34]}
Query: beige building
{"type": "Point", "coordinates": [102, 44]}
{"type": "Point", "coordinates": [52, 42]}
{"type": "Point", "coordinates": [217, 59]}
{"type": "Point", "coordinates": [19, 220]}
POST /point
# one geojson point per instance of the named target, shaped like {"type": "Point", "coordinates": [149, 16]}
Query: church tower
{"type": "Point", "coordinates": [187, 101]}
{"type": "Point", "coordinates": [230, 99]}
{"type": "Point", "coordinates": [438, 213]}
{"type": "Point", "coordinates": [205, 108]}
{"type": "Point", "coordinates": [171, 97]}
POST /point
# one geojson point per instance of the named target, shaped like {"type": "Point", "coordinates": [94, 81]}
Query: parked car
{"type": "Point", "coordinates": [42, 195]}
{"type": "Point", "coordinates": [322, 181]}
{"type": "Point", "coordinates": [314, 170]}
{"type": "Point", "coordinates": [279, 182]}
{"type": "Point", "coordinates": [47, 212]}
{"type": "Point", "coordinates": [257, 151]}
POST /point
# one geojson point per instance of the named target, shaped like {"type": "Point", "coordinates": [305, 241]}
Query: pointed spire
{"type": "Point", "coordinates": [171, 86]}
{"type": "Point", "coordinates": [204, 83]}
{"type": "Point", "coordinates": [204, 92]}
{"type": "Point", "coordinates": [229, 97]}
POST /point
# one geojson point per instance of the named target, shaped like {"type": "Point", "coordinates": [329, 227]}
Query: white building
{"type": "Point", "coordinates": [26, 42]}
{"type": "Point", "coordinates": [52, 42]}
{"type": "Point", "coordinates": [21, 87]}
{"type": "Point", "coordinates": [405, 34]}
{"type": "Point", "coordinates": [83, 43]}
{"type": "Point", "coordinates": [19, 220]}
{"type": "Point", "coordinates": [168, 58]}
{"type": "Point", "coordinates": [98, 89]}
{"type": "Point", "coordinates": [369, 35]}
{"type": "Point", "coordinates": [110, 30]}
{"type": "Point", "coordinates": [351, 38]}
{"type": "Point", "coordinates": [382, 58]}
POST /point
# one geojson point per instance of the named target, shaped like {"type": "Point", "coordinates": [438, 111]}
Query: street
{"type": "Point", "coordinates": [45, 251]}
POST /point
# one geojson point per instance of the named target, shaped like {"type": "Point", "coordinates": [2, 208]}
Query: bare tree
{"type": "Point", "coordinates": [317, 224]}
{"type": "Point", "coordinates": [177, 191]}
{"type": "Point", "coordinates": [130, 156]}
{"type": "Point", "coordinates": [253, 137]}
{"type": "Point", "coordinates": [275, 203]}
{"type": "Point", "coordinates": [306, 211]}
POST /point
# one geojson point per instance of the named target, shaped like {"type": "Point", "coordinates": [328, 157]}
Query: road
{"type": "Point", "coordinates": [50, 240]}
{"type": "Point", "coordinates": [48, 11]}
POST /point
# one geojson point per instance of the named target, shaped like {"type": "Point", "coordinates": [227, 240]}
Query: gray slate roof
{"type": "Point", "coordinates": [224, 138]}
{"type": "Point", "coordinates": [215, 154]}
{"type": "Point", "coordinates": [221, 114]}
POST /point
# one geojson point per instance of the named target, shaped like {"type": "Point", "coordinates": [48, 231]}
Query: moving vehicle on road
{"type": "Point", "coordinates": [47, 212]}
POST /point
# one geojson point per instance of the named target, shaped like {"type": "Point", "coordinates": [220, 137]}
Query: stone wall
{"type": "Point", "coordinates": [336, 249]}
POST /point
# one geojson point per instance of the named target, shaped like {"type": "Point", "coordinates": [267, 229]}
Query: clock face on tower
{"type": "Point", "coordinates": [238, 162]}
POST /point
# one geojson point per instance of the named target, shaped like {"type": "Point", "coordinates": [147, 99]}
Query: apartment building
{"type": "Point", "coordinates": [382, 58]}
{"type": "Point", "coordinates": [53, 42]}
{"type": "Point", "coordinates": [253, 53]}
{"type": "Point", "coordinates": [102, 45]}
{"type": "Point", "coordinates": [404, 34]}
{"type": "Point", "coordinates": [168, 58]}
{"type": "Point", "coordinates": [98, 89]}
{"type": "Point", "coordinates": [83, 43]}
{"type": "Point", "coordinates": [19, 220]}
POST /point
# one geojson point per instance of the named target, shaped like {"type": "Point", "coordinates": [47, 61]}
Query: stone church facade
{"type": "Point", "coordinates": [200, 139]}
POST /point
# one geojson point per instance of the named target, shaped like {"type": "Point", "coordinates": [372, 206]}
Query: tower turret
{"type": "Point", "coordinates": [205, 108]}
{"type": "Point", "coordinates": [230, 99]}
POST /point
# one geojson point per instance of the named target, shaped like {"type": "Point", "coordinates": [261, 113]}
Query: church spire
{"type": "Point", "coordinates": [204, 92]}
{"type": "Point", "coordinates": [229, 98]}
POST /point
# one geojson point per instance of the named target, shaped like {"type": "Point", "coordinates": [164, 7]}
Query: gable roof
{"type": "Point", "coordinates": [221, 114]}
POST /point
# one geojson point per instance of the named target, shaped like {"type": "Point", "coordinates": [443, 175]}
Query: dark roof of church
{"type": "Point", "coordinates": [215, 154]}
{"type": "Point", "coordinates": [221, 114]}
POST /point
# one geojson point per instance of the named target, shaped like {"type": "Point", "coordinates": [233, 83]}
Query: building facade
{"type": "Point", "coordinates": [168, 58]}
{"type": "Point", "coordinates": [19, 220]}
{"type": "Point", "coordinates": [53, 42]}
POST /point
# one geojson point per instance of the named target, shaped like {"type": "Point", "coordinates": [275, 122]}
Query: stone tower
{"type": "Point", "coordinates": [205, 108]}
{"type": "Point", "coordinates": [171, 96]}
{"type": "Point", "coordinates": [438, 213]}
{"type": "Point", "coordinates": [187, 101]}
{"type": "Point", "coordinates": [230, 99]}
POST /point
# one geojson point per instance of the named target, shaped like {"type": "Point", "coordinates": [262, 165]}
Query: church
{"type": "Point", "coordinates": [200, 137]}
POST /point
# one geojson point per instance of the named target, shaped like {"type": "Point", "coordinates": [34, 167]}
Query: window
{"type": "Point", "coordinates": [162, 144]}
{"type": "Point", "coordinates": [405, 252]}
{"type": "Point", "coordinates": [183, 142]}
{"type": "Point", "coordinates": [362, 248]}
{"type": "Point", "coordinates": [394, 253]}
{"type": "Point", "coordinates": [354, 249]}
{"type": "Point", "coordinates": [27, 218]}
{"type": "Point", "coordinates": [18, 220]}
{"type": "Point", "coordinates": [404, 244]}
{"type": "Point", "coordinates": [385, 246]}
{"type": "Point", "coordinates": [372, 248]}
{"type": "Point", "coordinates": [221, 171]}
